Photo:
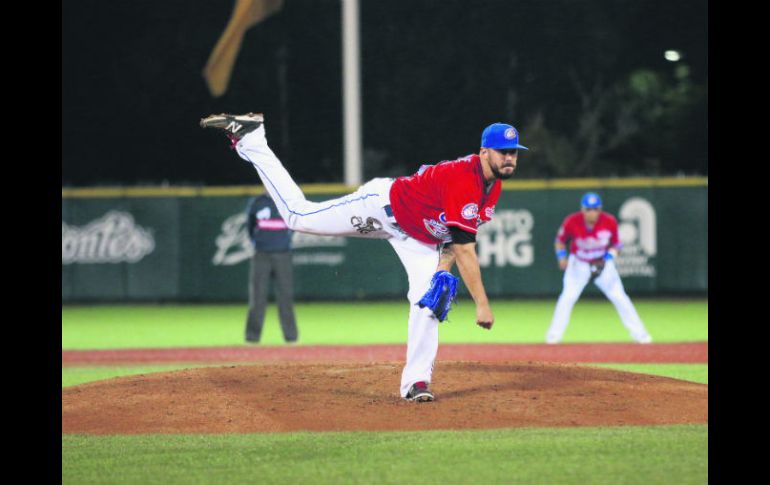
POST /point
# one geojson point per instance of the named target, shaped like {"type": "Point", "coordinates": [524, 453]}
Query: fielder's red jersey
{"type": "Point", "coordinates": [589, 243]}
{"type": "Point", "coordinates": [451, 193]}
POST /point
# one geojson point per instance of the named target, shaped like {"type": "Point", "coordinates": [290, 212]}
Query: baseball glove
{"type": "Point", "coordinates": [596, 266]}
{"type": "Point", "coordinates": [441, 294]}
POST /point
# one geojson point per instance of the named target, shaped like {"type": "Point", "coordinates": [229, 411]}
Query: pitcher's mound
{"type": "Point", "coordinates": [346, 397]}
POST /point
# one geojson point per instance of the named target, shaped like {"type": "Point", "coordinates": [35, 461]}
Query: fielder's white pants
{"type": "Point", "coordinates": [576, 277]}
{"type": "Point", "coordinates": [360, 214]}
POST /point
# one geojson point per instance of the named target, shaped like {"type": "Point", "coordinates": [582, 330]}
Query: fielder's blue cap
{"type": "Point", "coordinates": [591, 201]}
{"type": "Point", "coordinates": [500, 135]}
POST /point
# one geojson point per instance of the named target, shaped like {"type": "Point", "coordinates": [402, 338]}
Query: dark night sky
{"type": "Point", "coordinates": [434, 74]}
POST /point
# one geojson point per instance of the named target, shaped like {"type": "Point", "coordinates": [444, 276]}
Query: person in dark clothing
{"type": "Point", "coordinates": [271, 239]}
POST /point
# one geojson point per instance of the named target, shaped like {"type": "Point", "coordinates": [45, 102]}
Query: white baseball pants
{"type": "Point", "coordinates": [576, 277]}
{"type": "Point", "coordinates": [360, 214]}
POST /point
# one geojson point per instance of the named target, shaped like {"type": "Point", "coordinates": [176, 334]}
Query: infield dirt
{"type": "Point", "coordinates": [344, 396]}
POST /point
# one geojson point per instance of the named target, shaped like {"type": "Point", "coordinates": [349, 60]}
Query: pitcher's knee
{"type": "Point", "coordinates": [293, 223]}
{"type": "Point", "coordinates": [414, 297]}
{"type": "Point", "coordinates": [300, 223]}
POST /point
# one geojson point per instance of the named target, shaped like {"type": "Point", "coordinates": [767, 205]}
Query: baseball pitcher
{"type": "Point", "coordinates": [430, 219]}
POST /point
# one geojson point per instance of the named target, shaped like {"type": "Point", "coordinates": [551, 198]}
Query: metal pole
{"type": "Point", "coordinates": [351, 93]}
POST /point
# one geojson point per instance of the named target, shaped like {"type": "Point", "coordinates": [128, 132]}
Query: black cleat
{"type": "Point", "coordinates": [419, 393]}
{"type": "Point", "coordinates": [235, 126]}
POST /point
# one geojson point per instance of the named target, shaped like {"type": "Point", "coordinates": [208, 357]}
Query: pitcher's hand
{"type": "Point", "coordinates": [484, 317]}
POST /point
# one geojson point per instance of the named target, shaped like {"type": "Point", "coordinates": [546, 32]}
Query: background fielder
{"type": "Point", "coordinates": [593, 246]}
{"type": "Point", "coordinates": [430, 219]}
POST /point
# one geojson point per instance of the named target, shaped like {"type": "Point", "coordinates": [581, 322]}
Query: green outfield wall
{"type": "Point", "coordinates": [190, 244]}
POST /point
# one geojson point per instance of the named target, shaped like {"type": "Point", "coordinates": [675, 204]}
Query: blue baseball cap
{"type": "Point", "coordinates": [500, 135]}
{"type": "Point", "coordinates": [591, 201]}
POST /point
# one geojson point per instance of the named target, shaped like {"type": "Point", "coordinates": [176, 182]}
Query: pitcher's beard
{"type": "Point", "coordinates": [502, 176]}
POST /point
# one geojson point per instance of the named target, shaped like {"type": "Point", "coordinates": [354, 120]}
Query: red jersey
{"type": "Point", "coordinates": [589, 243]}
{"type": "Point", "coordinates": [452, 193]}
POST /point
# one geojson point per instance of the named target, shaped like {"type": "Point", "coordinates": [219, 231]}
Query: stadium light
{"type": "Point", "coordinates": [672, 55]}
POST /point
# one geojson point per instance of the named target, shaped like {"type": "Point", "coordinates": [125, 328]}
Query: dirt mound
{"type": "Point", "coordinates": [344, 397]}
{"type": "Point", "coordinates": [673, 352]}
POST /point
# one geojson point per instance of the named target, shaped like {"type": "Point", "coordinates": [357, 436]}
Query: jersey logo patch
{"type": "Point", "coordinates": [470, 211]}
{"type": "Point", "coordinates": [438, 230]}
{"type": "Point", "coordinates": [489, 212]}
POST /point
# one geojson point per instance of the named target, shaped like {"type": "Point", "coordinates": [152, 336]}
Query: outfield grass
{"type": "Point", "coordinates": [71, 376]}
{"type": "Point", "coordinates": [144, 326]}
{"type": "Point", "coordinates": [569, 456]}
{"type": "Point", "coordinates": [687, 372]}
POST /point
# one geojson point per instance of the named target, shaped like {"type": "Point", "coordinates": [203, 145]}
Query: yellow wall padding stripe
{"type": "Point", "coordinates": [589, 183]}
{"type": "Point", "coordinates": [246, 190]}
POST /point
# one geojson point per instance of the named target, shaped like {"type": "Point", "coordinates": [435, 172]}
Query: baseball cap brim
{"type": "Point", "coordinates": [503, 146]}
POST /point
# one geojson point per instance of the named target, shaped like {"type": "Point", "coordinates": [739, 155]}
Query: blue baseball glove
{"type": "Point", "coordinates": [441, 294]}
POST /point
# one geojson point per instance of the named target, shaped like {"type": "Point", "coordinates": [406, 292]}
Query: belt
{"type": "Point", "coordinates": [392, 220]}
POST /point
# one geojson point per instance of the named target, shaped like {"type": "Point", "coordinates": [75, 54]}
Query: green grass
{"type": "Point", "coordinates": [686, 372]}
{"type": "Point", "coordinates": [145, 326]}
{"type": "Point", "coordinates": [618, 455]}
{"type": "Point", "coordinates": [71, 376]}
